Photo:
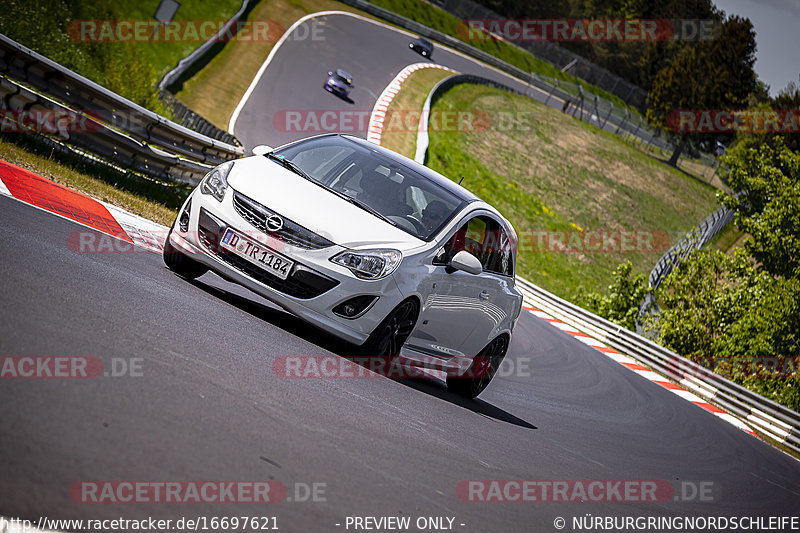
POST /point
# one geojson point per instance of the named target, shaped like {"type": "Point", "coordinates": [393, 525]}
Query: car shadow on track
{"type": "Point", "coordinates": [438, 389]}
{"type": "Point", "coordinates": [275, 316]}
{"type": "Point", "coordinates": [328, 343]}
{"type": "Point", "coordinates": [343, 97]}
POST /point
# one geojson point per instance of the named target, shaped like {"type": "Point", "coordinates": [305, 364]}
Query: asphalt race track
{"type": "Point", "coordinates": [208, 405]}
{"type": "Point", "coordinates": [372, 53]}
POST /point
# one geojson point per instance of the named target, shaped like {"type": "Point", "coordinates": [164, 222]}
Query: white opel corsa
{"type": "Point", "coordinates": [364, 243]}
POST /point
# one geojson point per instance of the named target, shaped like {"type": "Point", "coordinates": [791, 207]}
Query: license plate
{"type": "Point", "coordinates": [257, 253]}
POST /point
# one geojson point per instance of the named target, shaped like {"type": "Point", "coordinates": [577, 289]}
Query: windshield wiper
{"type": "Point", "coordinates": [366, 208]}
{"type": "Point", "coordinates": [297, 170]}
{"type": "Point", "coordinates": [290, 165]}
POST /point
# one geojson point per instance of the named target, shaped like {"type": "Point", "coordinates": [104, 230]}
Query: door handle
{"type": "Point", "coordinates": [484, 295]}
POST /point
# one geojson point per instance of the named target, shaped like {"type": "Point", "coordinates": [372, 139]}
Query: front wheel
{"type": "Point", "coordinates": [483, 368]}
{"type": "Point", "coordinates": [389, 336]}
{"type": "Point", "coordinates": [182, 265]}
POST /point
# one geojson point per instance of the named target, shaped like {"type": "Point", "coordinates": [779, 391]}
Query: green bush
{"type": "Point", "coordinates": [740, 314]}
{"type": "Point", "coordinates": [625, 295]}
{"type": "Point", "coordinates": [725, 314]}
{"type": "Point", "coordinates": [119, 66]}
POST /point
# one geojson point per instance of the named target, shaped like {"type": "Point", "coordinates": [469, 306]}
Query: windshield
{"type": "Point", "coordinates": [410, 201]}
{"type": "Point", "coordinates": [343, 76]}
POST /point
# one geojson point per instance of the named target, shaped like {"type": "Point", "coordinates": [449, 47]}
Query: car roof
{"type": "Point", "coordinates": [343, 73]}
{"type": "Point", "coordinates": [445, 183]}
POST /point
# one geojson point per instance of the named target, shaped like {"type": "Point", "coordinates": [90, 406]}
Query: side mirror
{"type": "Point", "coordinates": [467, 262]}
{"type": "Point", "coordinates": [330, 73]}
{"type": "Point", "coordinates": [262, 149]}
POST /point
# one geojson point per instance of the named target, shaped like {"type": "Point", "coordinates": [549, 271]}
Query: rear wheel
{"type": "Point", "coordinates": [389, 336]}
{"type": "Point", "coordinates": [180, 263]}
{"type": "Point", "coordinates": [483, 368]}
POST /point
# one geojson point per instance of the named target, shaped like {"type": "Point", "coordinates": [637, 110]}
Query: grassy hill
{"type": "Point", "coordinates": [558, 179]}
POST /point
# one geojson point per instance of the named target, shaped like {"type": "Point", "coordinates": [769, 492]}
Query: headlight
{"type": "Point", "coordinates": [216, 181]}
{"type": "Point", "coordinates": [369, 264]}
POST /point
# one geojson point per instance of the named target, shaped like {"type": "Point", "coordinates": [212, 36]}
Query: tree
{"type": "Point", "coordinates": [625, 295]}
{"type": "Point", "coordinates": [767, 174]}
{"type": "Point", "coordinates": [740, 315]}
{"type": "Point", "coordinates": [723, 313]}
{"type": "Point", "coordinates": [789, 99]}
{"type": "Point", "coordinates": [710, 75]}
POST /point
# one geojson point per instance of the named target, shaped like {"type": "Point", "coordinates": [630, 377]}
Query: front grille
{"type": "Point", "coordinates": [303, 282]}
{"type": "Point", "coordinates": [292, 233]}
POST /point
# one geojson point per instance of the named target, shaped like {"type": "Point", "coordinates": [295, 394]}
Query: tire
{"type": "Point", "coordinates": [392, 332]}
{"type": "Point", "coordinates": [182, 265]}
{"type": "Point", "coordinates": [483, 368]}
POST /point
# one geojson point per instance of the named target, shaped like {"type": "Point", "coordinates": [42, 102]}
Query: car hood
{"type": "Point", "coordinates": [314, 207]}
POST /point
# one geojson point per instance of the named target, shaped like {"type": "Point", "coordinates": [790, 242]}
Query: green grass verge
{"type": "Point", "coordinates": [547, 172]}
{"type": "Point", "coordinates": [406, 105]}
{"type": "Point", "coordinates": [131, 68]}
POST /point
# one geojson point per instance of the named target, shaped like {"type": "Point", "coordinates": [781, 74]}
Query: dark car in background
{"type": "Point", "coordinates": [339, 82]}
{"type": "Point", "coordinates": [422, 46]}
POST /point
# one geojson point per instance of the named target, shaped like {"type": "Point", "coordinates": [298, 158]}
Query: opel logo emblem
{"type": "Point", "coordinates": [274, 223]}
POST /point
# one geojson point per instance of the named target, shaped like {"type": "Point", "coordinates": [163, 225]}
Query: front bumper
{"type": "Point", "coordinates": [315, 285]}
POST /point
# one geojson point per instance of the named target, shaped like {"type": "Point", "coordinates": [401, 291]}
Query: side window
{"type": "Point", "coordinates": [484, 238]}
{"type": "Point", "coordinates": [454, 245]}
{"type": "Point", "coordinates": [504, 260]}
{"type": "Point", "coordinates": [477, 239]}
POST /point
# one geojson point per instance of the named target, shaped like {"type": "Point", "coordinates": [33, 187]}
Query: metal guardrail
{"type": "Point", "coordinates": [102, 141]}
{"type": "Point", "coordinates": [189, 61]}
{"type": "Point", "coordinates": [698, 237]}
{"type": "Point", "coordinates": [694, 240]}
{"type": "Point", "coordinates": [190, 153]}
{"type": "Point", "coordinates": [769, 418]}
{"type": "Point", "coordinates": [438, 90]}
{"type": "Point", "coordinates": [188, 118]}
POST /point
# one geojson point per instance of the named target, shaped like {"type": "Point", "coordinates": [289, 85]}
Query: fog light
{"type": "Point", "coordinates": [355, 307]}
{"type": "Point", "coordinates": [183, 221]}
